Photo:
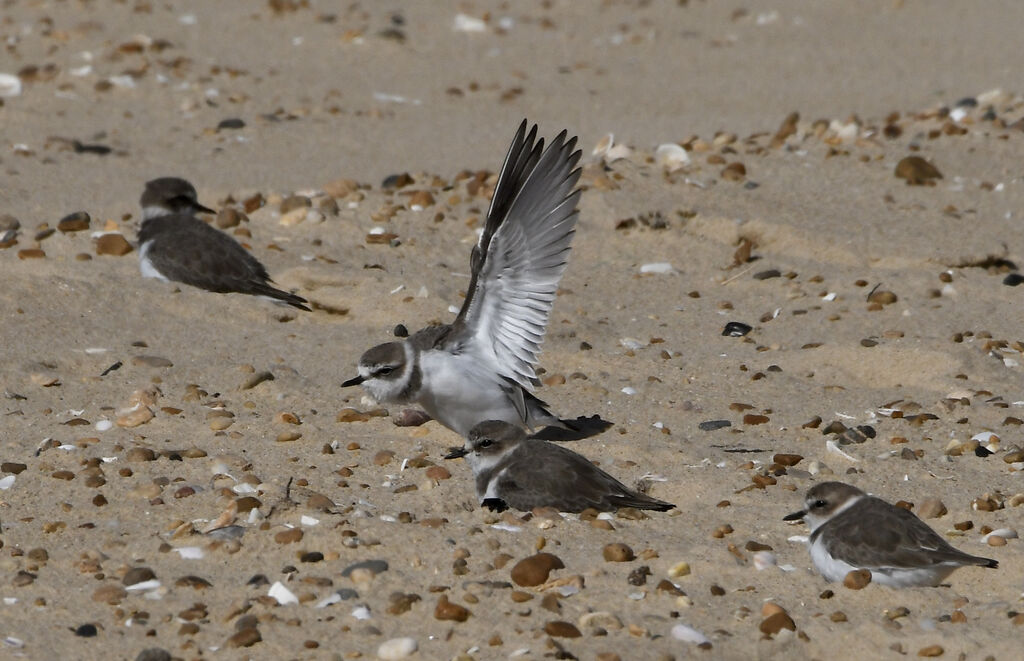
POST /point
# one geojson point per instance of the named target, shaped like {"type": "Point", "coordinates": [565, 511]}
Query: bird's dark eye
{"type": "Point", "coordinates": [384, 371]}
{"type": "Point", "coordinates": [818, 504]}
{"type": "Point", "coordinates": [486, 443]}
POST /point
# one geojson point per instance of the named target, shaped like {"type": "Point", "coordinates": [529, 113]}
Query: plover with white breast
{"type": "Point", "coordinates": [513, 470]}
{"type": "Point", "coordinates": [175, 245]}
{"type": "Point", "coordinates": [852, 530]}
{"type": "Point", "coordinates": [482, 365]}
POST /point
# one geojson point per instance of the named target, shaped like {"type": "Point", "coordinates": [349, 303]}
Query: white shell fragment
{"type": "Point", "coordinates": [467, 23]}
{"type": "Point", "coordinates": [603, 145]}
{"type": "Point", "coordinates": [329, 600]}
{"type": "Point", "coordinates": [6, 482]}
{"type": "Point", "coordinates": [10, 85]}
{"type": "Point", "coordinates": [283, 595]}
{"type": "Point", "coordinates": [610, 152]}
{"type": "Point", "coordinates": [397, 648]}
{"type": "Point", "coordinates": [661, 268]}
{"type": "Point", "coordinates": [832, 446]}
{"type": "Point", "coordinates": [144, 586]}
{"type": "Point", "coordinates": [763, 560]}
{"type": "Point", "coordinates": [689, 635]}
{"type": "Point", "coordinates": [671, 156]}
{"type": "Point", "coordinates": [1005, 533]}
{"type": "Point", "coordinates": [507, 527]}
{"type": "Point", "coordinates": [190, 552]}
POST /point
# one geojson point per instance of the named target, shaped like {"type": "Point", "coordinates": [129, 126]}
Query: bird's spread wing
{"type": "Point", "coordinates": [521, 255]}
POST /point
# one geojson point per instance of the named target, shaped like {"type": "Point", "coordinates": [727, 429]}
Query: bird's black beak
{"type": "Point", "coordinates": [795, 516]}
{"type": "Point", "coordinates": [354, 381]}
{"type": "Point", "coordinates": [455, 453]}
{"type": "Point", "coordinates": [201, 208]}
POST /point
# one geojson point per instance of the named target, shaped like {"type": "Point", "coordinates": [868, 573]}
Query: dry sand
{"type": "Point", "coordinates": [328, 92]}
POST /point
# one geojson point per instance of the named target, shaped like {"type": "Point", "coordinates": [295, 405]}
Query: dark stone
{"type": "Point", "coordinates": [153, 654]}
{"type": "Point", "coordinates": [736, 329]}
{"type": "Point", "coordinates": [396, 181]}
{"type": "Point", "coordinates": [257, 581]}
{"type": "Point", "coordinates": [712, 425]}
{"type": "Point", "coordinates": [227, 533]}
{"type": "Point", "coordinates": [81, 148]}
{"type": "Point", "coordinates": [639, 575]}
{"type": "Point", "coordinates": [1013, 279]}
{"type": "Point", "coordinates": [401, 331]}
{"type": "Point", "coordinates": [231, 123]}
{"type": "Point", "coordinates": [86, 631]}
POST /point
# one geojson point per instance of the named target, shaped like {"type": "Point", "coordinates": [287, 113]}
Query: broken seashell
{"type": "Point", "coordinates": [671, 156]}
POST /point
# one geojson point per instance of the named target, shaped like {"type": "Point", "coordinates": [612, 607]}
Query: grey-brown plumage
{"type": "Point", "coordinates": [175, 245]}
{"type": "Point", "coordinates": [514, 470]}
{"type": "Point", "coordinates": [852, 530]}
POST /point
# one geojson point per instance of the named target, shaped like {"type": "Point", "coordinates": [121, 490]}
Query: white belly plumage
{"type": "Point", "coordinates": [834, 569]}
{"type": "Point", "coordinates": [458, 392]}
{"type": "Point", "coordinates": [146, 266]}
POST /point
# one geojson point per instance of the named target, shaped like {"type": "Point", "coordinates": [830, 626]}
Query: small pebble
{"type": "Point", "coordinates": [617, 552]}
{"type": "Point", "coordinates": [374, 566]}
{"type": "Point", "coordinates": [931, 508]}
{"type": "Point", "coordinates": [153, 654]}
{"type": "Point", "coordinates": [561, 629]}
{"type": "Point", "coordinates": [151, 361]}
{"type": "Point", "coordinates": [534, 570]}
{"type": "Point", "coordinates": [137, 575]}
{"type": "Point", "coordinates": [244, 638]}
{"type": "Point", "coordinates": [230, 123]}
{"type": "Point", "coordinates": [857, 579]}
{"type": "Point", "coordinates": [75, 222]}
{"type": "Point", "coordinates": [112, 244]}
{"type": "Point", "coordinates": [289, 536]}
{"type": "Point", "coordinates": [776, 622]}
{"type": "Point", "coordinates": [410, 418]}
{"type": "Point", "coordinates": [917, 171]}
{"type": "Point", "coordinates": [446, 610]}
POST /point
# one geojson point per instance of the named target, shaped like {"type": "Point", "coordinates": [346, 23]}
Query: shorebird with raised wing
{"type": "Point", "coordinates": [482, 365]}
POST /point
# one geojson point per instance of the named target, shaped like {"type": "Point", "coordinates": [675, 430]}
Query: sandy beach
{"type": "Point", "coordinates": [182, 476]}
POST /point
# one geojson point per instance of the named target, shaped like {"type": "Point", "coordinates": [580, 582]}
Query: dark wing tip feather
{"type": "Point", "coordinates": [294, 300]}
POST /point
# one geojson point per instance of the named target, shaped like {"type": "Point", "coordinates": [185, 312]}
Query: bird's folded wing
{"type": "Point", "coordinates": [900, 539]}
{"type": "Point", "coordinates": [521, 255]}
